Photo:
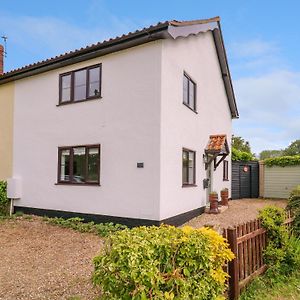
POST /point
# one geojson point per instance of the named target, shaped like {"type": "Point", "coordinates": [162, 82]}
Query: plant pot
{"type": "Point", "coordinates": [213, 200]}
{"type": "Point", "coordinates": [224, 197]}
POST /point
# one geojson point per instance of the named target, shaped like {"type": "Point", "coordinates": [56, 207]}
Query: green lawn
{"type": "Point", "coordinates": [280, 288]}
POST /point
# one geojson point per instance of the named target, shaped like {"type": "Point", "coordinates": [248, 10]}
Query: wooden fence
{"type": "Point", "coordinates": [247, 242]}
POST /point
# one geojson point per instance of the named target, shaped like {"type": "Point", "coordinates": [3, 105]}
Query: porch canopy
{"type": "Point", "coordinates": [217, 147]}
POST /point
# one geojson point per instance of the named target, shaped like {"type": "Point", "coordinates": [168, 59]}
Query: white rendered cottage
{"type": "Point", "coordinates": [127, 130]}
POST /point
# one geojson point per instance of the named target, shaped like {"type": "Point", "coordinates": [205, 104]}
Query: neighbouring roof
{"type": "Point", "coordinates": [162, 30]}
{"type": "Point", "coordinates": [217, 144]}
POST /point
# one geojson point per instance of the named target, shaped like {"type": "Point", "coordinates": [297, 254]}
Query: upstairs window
{"type": "Point", "coordinates": [188, 167]}
{"type": "Point", "coordinates": [189, 92]}
{"type": "Point", "coordinates": [79, 164]}
{"type": "Point", "coordinates": [80, 85]}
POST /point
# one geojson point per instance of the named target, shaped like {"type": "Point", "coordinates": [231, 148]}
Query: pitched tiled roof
{"type": "Point", "coordinates": [162, 30]}
{"type": "Point", "coordinates": [159, 25]}
{"type": "Point", "coordinates": [217, 143]}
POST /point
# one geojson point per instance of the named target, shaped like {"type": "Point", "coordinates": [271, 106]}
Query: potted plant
{"type": "Point", "coordinates": [213, 200]}
{"type": "Point", "coordinates": [224, 197]}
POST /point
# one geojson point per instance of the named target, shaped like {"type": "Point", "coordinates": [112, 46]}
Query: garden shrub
{"type": "Point", "coordinates": [294, 206]}
{"type": "Point", "coordinates": [282, 251]}
{"type": "Point", "coordinates": [4, 201]}
{"type": "Point", "coordinates": [283, 161]}
{"type": "Point", "coordinates": [237, 155]}
{"type": "Point", "coordinates": [101, 229]}
{"type": "Point", "coordinates": [163, 263]}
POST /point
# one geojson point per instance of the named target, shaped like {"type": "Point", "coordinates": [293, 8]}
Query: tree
{"type": "Point", "coordinates": [293, 148]}
{"type": "Point", "coordinates": [270, 154]}
{"type": "Point", "coordinates": [237, 155]}
{"type": "Point", "coordinates": [240, 144]}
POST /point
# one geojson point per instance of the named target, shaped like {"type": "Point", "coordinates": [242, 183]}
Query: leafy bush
{"type": "Point", "coordinates": [102, 229]}
{"type": "Point", "coordinates": [272, 219]}
{"type": "Point", "coordinates": [294, 206]}
{"type": "Point", "coordinates": [163, 263]}
{"type": "Point", "coordinates": [282, 251]}
{"type": "Point", "coordinates": [4, 201]}
{"type": "Point", "coordinates": [282, 256]}
{"type": "Point", "coordinates": [237, 155]}
{"type": "Point", "coordinates": [283, 161]}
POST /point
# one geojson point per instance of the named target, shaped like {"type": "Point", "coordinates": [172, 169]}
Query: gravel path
{"type": "Point", "coordinates": [239, 211]}
{"type": "Point", "coordinates": [42, 261]}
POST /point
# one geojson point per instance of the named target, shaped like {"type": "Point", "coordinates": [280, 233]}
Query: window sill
{"type": "Point", "coordinates": [79, 101]}
{"type": "Point", "coordinates": [78, 184]}
{"type": "Point", "coordinates": [190, 108]}
{"type": "Point", "coordinates": [225, 179]}
{"type": "Point", "coordinates": [189, 185]}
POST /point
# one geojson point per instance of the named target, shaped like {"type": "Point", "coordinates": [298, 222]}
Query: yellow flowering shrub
{"type": "Point", "coordinates": [163, 263]}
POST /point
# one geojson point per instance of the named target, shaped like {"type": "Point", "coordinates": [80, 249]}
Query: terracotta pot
{"type": "Point", "coordinates": [224, 197]}
{"type": "Point", "coordinates": [213, 200]}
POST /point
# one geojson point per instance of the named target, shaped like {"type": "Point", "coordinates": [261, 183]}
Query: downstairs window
{"type": "Point", "coordinates": [188, 167]}
{"type": "Point", "coordinates": [79, 164]}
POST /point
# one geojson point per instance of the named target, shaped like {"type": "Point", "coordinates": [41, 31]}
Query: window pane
{"type": "Point", "coordinates": [225, 170]}
{"type": "Point", "coordinates": [93, 164]}
{"type": "Point", "coordinates": [184, 167]}
{"type": "Point", "coordinates": [65, 88]}
{"type": "Point", "coordinates": [94, 82]}
{"type": "Point", "coordinates": [185, 89]}
{"type": "Point", "coordinates": [192, 95]}
{"type": "Point", "coordinates": [191, 167]}
{"type": "Point", "coordinates": [79, 161]}
{"type": "Point", "coordinates": [80, 85]}
{"type": "Point", "coordinates": [65, 165]}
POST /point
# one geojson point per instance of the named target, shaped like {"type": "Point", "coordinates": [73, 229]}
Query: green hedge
{"type": "Point", "coordinates": [282, 253]}
{"type": "Point", "coordinates": [163, 263]}
{"type": "Point", "coordinates": [283, 161]}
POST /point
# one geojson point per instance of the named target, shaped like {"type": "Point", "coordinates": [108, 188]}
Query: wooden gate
{"type": "Point", "coordinates": [245, 179]}
{"type": "Point", "coordinates": [247, 242]}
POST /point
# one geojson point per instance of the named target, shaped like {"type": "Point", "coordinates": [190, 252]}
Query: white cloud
{"type": "Point", "coordinates": [253, 48]}
{"type": "Point", "coordinates": [268, 94]}
{"type": "Point", "coordinates": [255, 56]}
{"type": "Point", "coordinates": [269, 108]}
{"type": "Point", "coordinates": [43, 37]}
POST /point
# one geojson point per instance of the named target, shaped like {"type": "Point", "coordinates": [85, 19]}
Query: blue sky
{"type": "Point", "coordinates": [261, 37]}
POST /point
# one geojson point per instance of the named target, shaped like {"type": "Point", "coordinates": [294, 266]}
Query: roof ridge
{"type": "Point", "coordinates": [87, 47]}
{"type": "Point", "coordinates": [194, 22]}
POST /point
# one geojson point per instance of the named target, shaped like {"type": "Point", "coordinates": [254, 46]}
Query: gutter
{"type": "Point", "coordinates": [219, 43]}
{"type": "Point", "coordinates": [107, 47]}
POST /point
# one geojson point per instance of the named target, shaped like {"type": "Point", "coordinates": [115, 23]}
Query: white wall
{"type": "Point", "coordinates": [140, 118]}
{"type": "Point", "coordinates": [181, 127]}
{"type": "Point", "coordinates": [126, 122]}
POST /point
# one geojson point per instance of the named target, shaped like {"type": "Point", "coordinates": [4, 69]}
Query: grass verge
{"type": "Point", "coordinates": [273, 286]}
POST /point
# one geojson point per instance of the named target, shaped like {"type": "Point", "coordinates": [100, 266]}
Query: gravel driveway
{"type": "Point", "coordinates": [239, 211]}
{"type": "Point", "coordinates": [41, 261]}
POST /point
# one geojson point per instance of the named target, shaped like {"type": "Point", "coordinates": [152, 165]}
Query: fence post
{"type": "Point", "coordinates": [233, 265]}
{"type": "Point", "coordinates": [261, 179]}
